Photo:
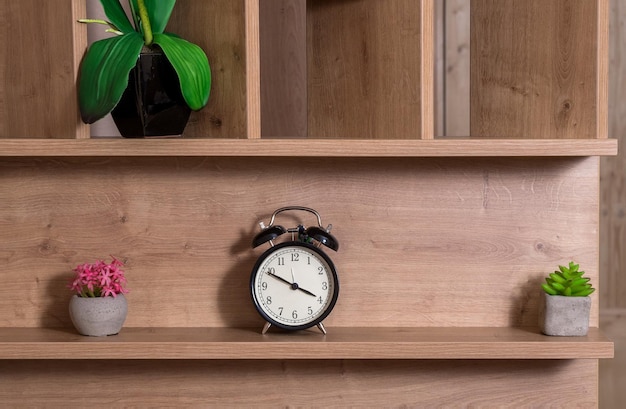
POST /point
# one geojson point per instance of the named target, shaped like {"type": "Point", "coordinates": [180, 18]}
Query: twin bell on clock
{"type": "Point", "coordinates": [294, 284]}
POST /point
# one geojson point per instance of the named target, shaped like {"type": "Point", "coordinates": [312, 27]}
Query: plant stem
{"type": "Point", "coordinates": [91, 20]}
{"type": "Point", "coordinates": [145, 22]}
{"type": "Point", "coordinates": [111, 29]}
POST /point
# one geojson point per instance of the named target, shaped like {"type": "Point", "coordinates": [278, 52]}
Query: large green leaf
{"type": "Point", "coordinates": [191, 65]}
{"type": "Point", "coordinates": [159, 12]}
{"type": "Point", "coordinates": [104, 74]}
{"type": "Point", "coordinates": [116, 14]}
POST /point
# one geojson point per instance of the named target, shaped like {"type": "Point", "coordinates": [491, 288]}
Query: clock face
{"type": "Point", "coordinates": [294, 285]}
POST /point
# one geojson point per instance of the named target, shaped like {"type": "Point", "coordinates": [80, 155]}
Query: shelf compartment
{"type": "Point", "coordinates": [37, 82]}
{"type": "Point", "coordinates": [470, 147]}
{"type": "Point", "coordinates": [339, 343]}
{"type": "Point", "coordinates": [338, 69]}
{"type": "Point", "coordinates": [539, 68]}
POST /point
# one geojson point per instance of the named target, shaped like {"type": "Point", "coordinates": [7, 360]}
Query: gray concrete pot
{"type": "Point", "coordinates": [98, 316]}
{"type": "Point", "coordinates": [564, 316]}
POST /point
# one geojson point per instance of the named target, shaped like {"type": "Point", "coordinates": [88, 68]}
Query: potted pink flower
{"type": "Point", "coordinates": [99, 307]}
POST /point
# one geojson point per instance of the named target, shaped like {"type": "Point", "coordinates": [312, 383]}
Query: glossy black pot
{"type": "Point", "coordinates": [152, 104]}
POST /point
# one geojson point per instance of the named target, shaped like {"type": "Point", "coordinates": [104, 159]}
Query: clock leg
{"type": "Point", "coordinates": [321, 328]}
{"type": "Point", "coordinates": [266, 327]}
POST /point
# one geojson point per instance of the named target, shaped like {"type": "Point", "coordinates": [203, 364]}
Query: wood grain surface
{"type": "Point", "coordinates": [318, 148]}
{"type": "Point", "coordinates": [612, 373]}
{"type": "Point", "coordinates": [613, 222]}
{"type": "Point", "coordinates": [437, 244]}
{"type": "Point", "coordinates": [534, 68]}
{"type": "Point", "coordinates": [305, 384]}
{"type": "Point", "coordinates": [42, 45]}
{"type": "Point", "coordinates": [284, 68]}
{"type": "Point", "coordinates": [364, 62]}
{"type": "Point", "coordinates": [456, 72]}
{"type": "Point", "coordinates": [339, 343]}
{"type": "Point", "coordinates": [424, 242]}
{"type": "Point", "coordinates": [613, 177]}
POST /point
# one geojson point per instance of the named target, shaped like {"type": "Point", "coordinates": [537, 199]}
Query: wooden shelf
{"type": "Point", "coordinates": [337, 78]}
{"type": "Point", "coordinates": [469, 147]}
{"type": "Point", "coordinates": [340, 343]}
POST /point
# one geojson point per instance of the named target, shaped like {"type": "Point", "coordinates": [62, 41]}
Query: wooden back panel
{"type": "Point", "coordinates": [424, 242]}
{"type": "Point", "coordinates": [364, 62]}
{"type": "Point", "coordinates": [328, 384]}
{"type": "Point", "coordinates": [535, 70]}
{"type": "Point", "coordinates": [284, 68]}
{"type": "Point", "coordinates": [42, 45]}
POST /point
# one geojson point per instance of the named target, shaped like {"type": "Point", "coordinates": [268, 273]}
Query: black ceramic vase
{"type": "Point", "coordinates": [152, 105]}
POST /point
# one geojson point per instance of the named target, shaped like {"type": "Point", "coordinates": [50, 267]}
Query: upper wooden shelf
{"type": "Point", "coordinates": [340, 343]}
{"type": "Point", "coordinates": [468, 147]}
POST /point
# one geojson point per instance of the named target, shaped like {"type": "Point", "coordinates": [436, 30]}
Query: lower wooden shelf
{"type": "Point", "coordinates": [339, 343]}
{"type": "Point", "coordinates": [447, 147]}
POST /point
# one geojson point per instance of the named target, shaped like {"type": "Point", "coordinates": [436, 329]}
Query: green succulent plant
{"type": "Point", "coordinates": [104, 71]}
{"type": "Point", "coordinates": [568, 281]}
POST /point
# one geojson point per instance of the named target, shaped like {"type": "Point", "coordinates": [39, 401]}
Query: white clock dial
{"type": "Point", "coordinates": [294, 285]}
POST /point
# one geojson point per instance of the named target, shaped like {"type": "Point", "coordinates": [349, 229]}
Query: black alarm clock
{"type": "Point", "coordinates": [294, 284]}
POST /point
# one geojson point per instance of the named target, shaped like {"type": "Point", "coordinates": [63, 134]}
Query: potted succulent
{"type": "Point", "coordinates": [99, 307]}
{"type": "Point", "coordinates": [149, 80]}
{"type": "Point", "coordinates": [567, 305]}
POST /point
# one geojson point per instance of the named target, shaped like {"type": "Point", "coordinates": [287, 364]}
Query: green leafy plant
{"type": "Point", "coordinates": [106, 65]}
{"type": "Point", "coordinates": [568, 281]}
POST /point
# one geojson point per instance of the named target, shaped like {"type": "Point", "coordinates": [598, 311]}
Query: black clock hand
{"type": "Point", "coordinates": [306, 291]}
{"type": "Point", "coordinates": [294, 286]}
{"type": "Point", "coordinates": [279, 278]}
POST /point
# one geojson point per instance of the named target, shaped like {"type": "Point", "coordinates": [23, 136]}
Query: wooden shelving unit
{"type": "Point", "coordinates": [326, 104]}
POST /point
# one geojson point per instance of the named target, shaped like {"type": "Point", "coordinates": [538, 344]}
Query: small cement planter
{"type": "Point", "coordinates": [98, 316]}
{"type": "Point", "coordinates": [565, 316]}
